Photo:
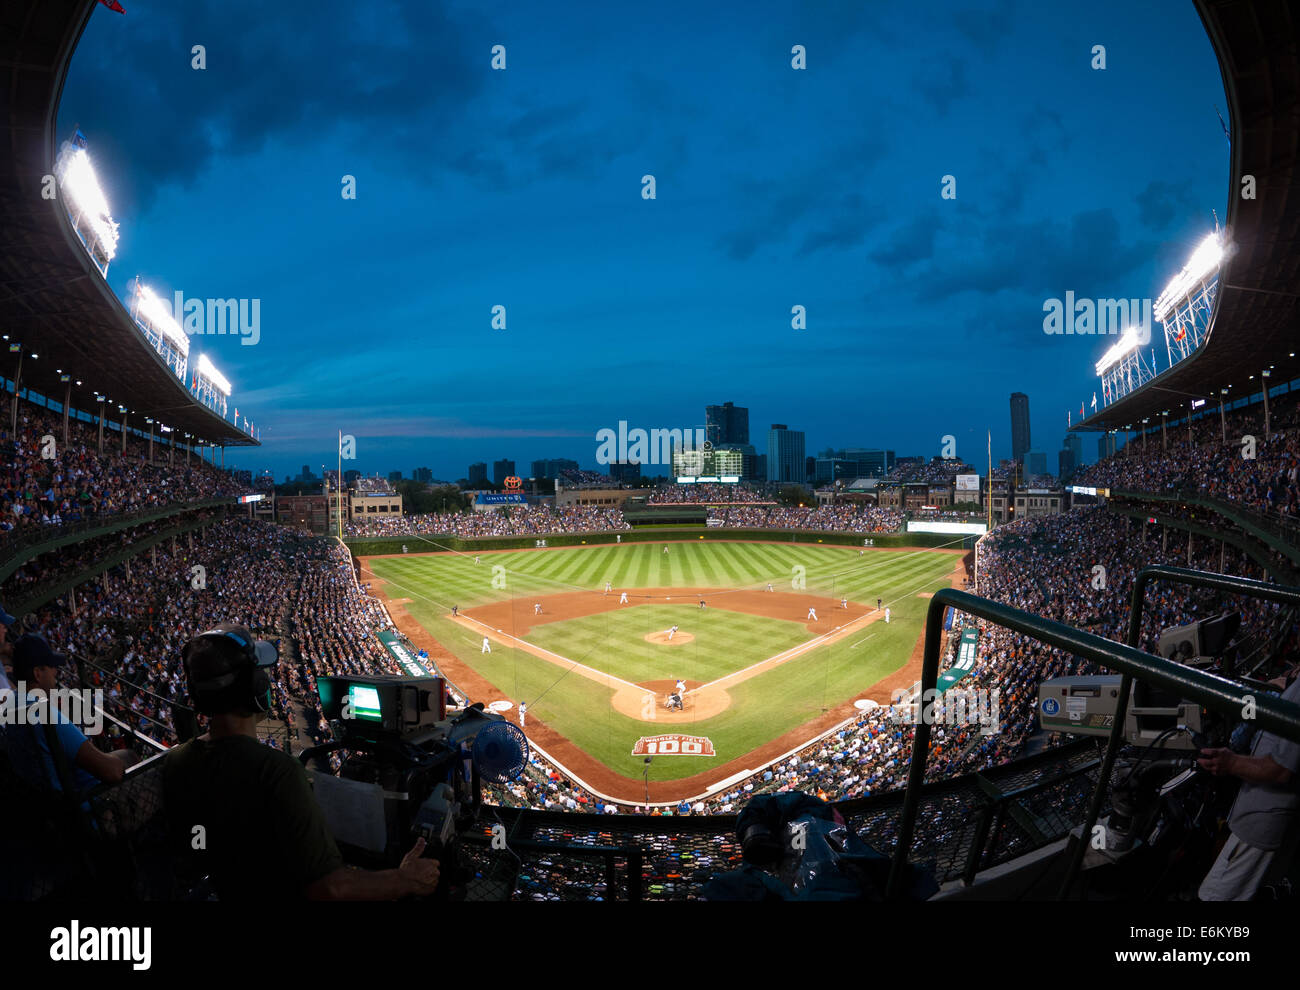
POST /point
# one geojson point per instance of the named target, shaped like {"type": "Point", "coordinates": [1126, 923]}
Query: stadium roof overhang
{"type": "Point", "coordinates": [1256, 322]}
{"type": "Point", "coordinates": [53, 299]}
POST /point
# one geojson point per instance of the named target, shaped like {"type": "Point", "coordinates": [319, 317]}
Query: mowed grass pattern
{"type": "Point", "coordinates": [762, 707]}
{"type": "Point", "coordinates": [723, 642]}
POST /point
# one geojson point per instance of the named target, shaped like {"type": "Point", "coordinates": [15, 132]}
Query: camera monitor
{"type": "Point", "coordinates": [382, 706]}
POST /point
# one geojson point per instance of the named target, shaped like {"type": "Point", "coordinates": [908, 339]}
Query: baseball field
{"type": "Point", "coordinates": [790, 636]}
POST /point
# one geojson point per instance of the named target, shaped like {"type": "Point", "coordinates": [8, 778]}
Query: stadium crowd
{"type": "Point", "coordinates": [515, 520]}
{"type": "Point", "coordinates": [45, 483]}
{"type": "Point", "coordinates": [845, 517]}
{"type": "Point", "coordinates": [1259, 470]}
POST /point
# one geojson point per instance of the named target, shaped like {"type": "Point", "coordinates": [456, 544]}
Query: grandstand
{"type": "Point", "coordinates": [125, 540]}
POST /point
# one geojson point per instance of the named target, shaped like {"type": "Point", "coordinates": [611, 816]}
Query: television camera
{"type": "Point", "coordinates": [409, 770]}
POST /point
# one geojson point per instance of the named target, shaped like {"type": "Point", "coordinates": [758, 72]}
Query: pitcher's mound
{"type": "Point", "coordinates": [661, 638]}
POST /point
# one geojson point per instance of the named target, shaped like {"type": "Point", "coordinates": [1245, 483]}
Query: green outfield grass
{"type": "Point", "coordinates": [615, 642]}
{"type": "Point", "coordinates": [762, 707]}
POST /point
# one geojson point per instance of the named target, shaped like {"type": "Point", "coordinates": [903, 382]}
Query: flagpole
{"type": "Point", "coordinates": [990, 480]}
{"type": "Point", "coordinates": [340, 481]}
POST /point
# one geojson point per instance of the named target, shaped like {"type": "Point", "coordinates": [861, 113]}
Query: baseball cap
{"type": "Point", "coordinates": [32, 651]}
{"type": "Point", "coordinates": [216, 664]}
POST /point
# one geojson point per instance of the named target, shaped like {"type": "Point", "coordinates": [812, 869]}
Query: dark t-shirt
{"type": "Point", "coordinates": [264, 833]}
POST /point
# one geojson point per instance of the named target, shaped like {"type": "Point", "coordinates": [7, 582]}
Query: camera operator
{"type": "Point", "coordinates": [244, 813]}
{"type": "Point", "coordinates": [1263, 817]}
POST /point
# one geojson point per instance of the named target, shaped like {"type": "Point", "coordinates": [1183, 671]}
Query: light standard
{"type": "Point", "coordinates": [1265, 374]}
{"type": "Point", "coordinates": [1223, 420]}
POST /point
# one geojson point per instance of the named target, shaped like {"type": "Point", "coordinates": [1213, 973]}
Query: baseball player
{"type": "Point", "coordinates": [665, 551]}
{"type": "Point", "coordinates": [886, 616]}
{"type": "Point", "coordinates": [487, 646]}
{"type": "Point", "coordinates": [877, 604]}
{"type": "Point", "coordinates": [476, 560]}
{"type": "Point", "coordinates": [537, 608]}
{"type": "Point", "coordinates": [701, 603]}
{"type": "Point", "coordinates": [672, 632]}
{"type": "Point", "coordinates": [608, 587]}
{"type": "Point", "coordinates": [454, 610]}
{"type": "Point", "coordinates": [769, 586]}
{"type": "Point", "coordinates": [844, 603]}
{"type": "Point", "coordinates": [812, 614]}
{"type": "Point", "coordinates": [861, 552]}
{"type": "Point", "coordinates": [681, 686]}
{"type": "Point", "coordinates": [523, 711]}
{"type": "Point", "coordinates": [622, 599]}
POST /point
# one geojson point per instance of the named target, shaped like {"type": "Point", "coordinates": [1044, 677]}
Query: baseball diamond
{"type": "Point", "coordinates": [762, 675]}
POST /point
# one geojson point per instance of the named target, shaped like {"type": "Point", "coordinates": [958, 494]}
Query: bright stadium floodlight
{"type": "Point", "coordinates": [82, 186]}
{"type": "Point", "coordinates": [161, 319]}
{"type": "Point", "coordinates": [1127, 341]}
{"type": "Point", "coordinates": [207, 370]}
{"type": "Point", "coordinates": [1204, 260]}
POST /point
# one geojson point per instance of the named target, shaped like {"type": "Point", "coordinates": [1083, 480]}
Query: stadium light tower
{"type": "Point", "coordinates": [84, 201]}
{"type": "Point", "coordinates": [210, 385]}
{"type": "Point", "coordinates": [1184, 308]}
{"type": "Point", "coordinates": [1164, 430]}
{"type": "Point", "coordinates": [1145, 420]}
{"type": "Point", "coordinates": [159, 326]}
{"type": "Point", "coordinates": [1123, 368]}
{"type": "Point", "coordinates": [1223, 420]}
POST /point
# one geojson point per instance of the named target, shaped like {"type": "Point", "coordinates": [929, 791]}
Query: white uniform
{"type": "Point", "coordinates": [608, 587]}
{"type": "Point", "coordinates": [476, 560]}
{"type": "Point", "coordinates": [523, 710]}
{"type": "Point", "coordinates": [665, 549]}
{"type": "Point", "coordinates": [844, 602]}
{"type": "Point", "coordinates": [812, 614]}
{"type": "Point", "coordinates": [622, 599]}
{"type": "Point", "coordinates": [681, 687]}
{"type": "Point", "coordinates": [886, 615]}
{"type": "Point", "coordinates": [769, 587]}
{"type": "Point", "coordinates": [487, 647]}
{"type": "Point", "coordinates": [671, 632]}
{"type": "Point", "coordinates": [537, 609]}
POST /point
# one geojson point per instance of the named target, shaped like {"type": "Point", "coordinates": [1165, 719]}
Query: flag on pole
{"type": "Point", "coordinates": [1068, 421]}
{"type": "Point", "coordinates": [117, 8]}
{"type": "Point", "coordinates": [1094, 401]}
{"type": "Point", "coordinates": [1081, 412]}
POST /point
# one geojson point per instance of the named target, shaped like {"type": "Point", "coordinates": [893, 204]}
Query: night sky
{"type": "Point", "coordinates": [775, 188]}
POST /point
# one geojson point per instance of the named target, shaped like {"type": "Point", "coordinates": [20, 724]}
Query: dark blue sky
{"type": "Point", "coordinates": [775, 188]}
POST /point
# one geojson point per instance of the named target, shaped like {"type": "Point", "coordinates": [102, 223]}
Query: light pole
{"type": "Point", "coordinates": [1223, 419]}
{"type": "Point", "coordinates": [1265, 374]}
{"type": "Point", "coordinates": [1164, 430]}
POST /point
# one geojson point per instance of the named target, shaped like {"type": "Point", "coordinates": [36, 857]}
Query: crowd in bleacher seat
{"type": "Point", "coordinates": [584, 479]}
{"type": "Point", "coordinates": [846, 518]}
{"type": "Point", "coordinates": [513, 520]}
{"type": "Point", "coordinates": [938, 470]}
{"type": "Point", "coordinates": [1209, 465]}
{"type": "Point", "coordinates": [271, 579]}
{"type": "Point", "coordinates": [705, 492]}
{"type": "Point", "coordinates": [45, 483]}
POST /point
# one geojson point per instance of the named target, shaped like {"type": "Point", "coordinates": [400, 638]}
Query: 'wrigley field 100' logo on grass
{"type": "Point", "coordinates": [673, 744]}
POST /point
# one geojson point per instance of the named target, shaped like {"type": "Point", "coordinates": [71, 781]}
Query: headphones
{"type": "Point", "coordinates": [251, 682]}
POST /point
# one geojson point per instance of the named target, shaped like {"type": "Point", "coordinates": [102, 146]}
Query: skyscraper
{"type": "Point", "coordinates": [478, 474]}
{"type": "Point", "coordinates": [1019, 426]}
{"type": "Point", "coordinates": [726, 424]}
{"type": "Point", "coordinates": [501, 470]}
{"type": "Point", "coordinates": [785, 457]}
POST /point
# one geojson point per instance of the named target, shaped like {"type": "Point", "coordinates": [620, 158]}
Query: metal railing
{"type": "Point", "coordinates": [1279, 716]}
{"type": "Point", "coordinates": [1208, 690]}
